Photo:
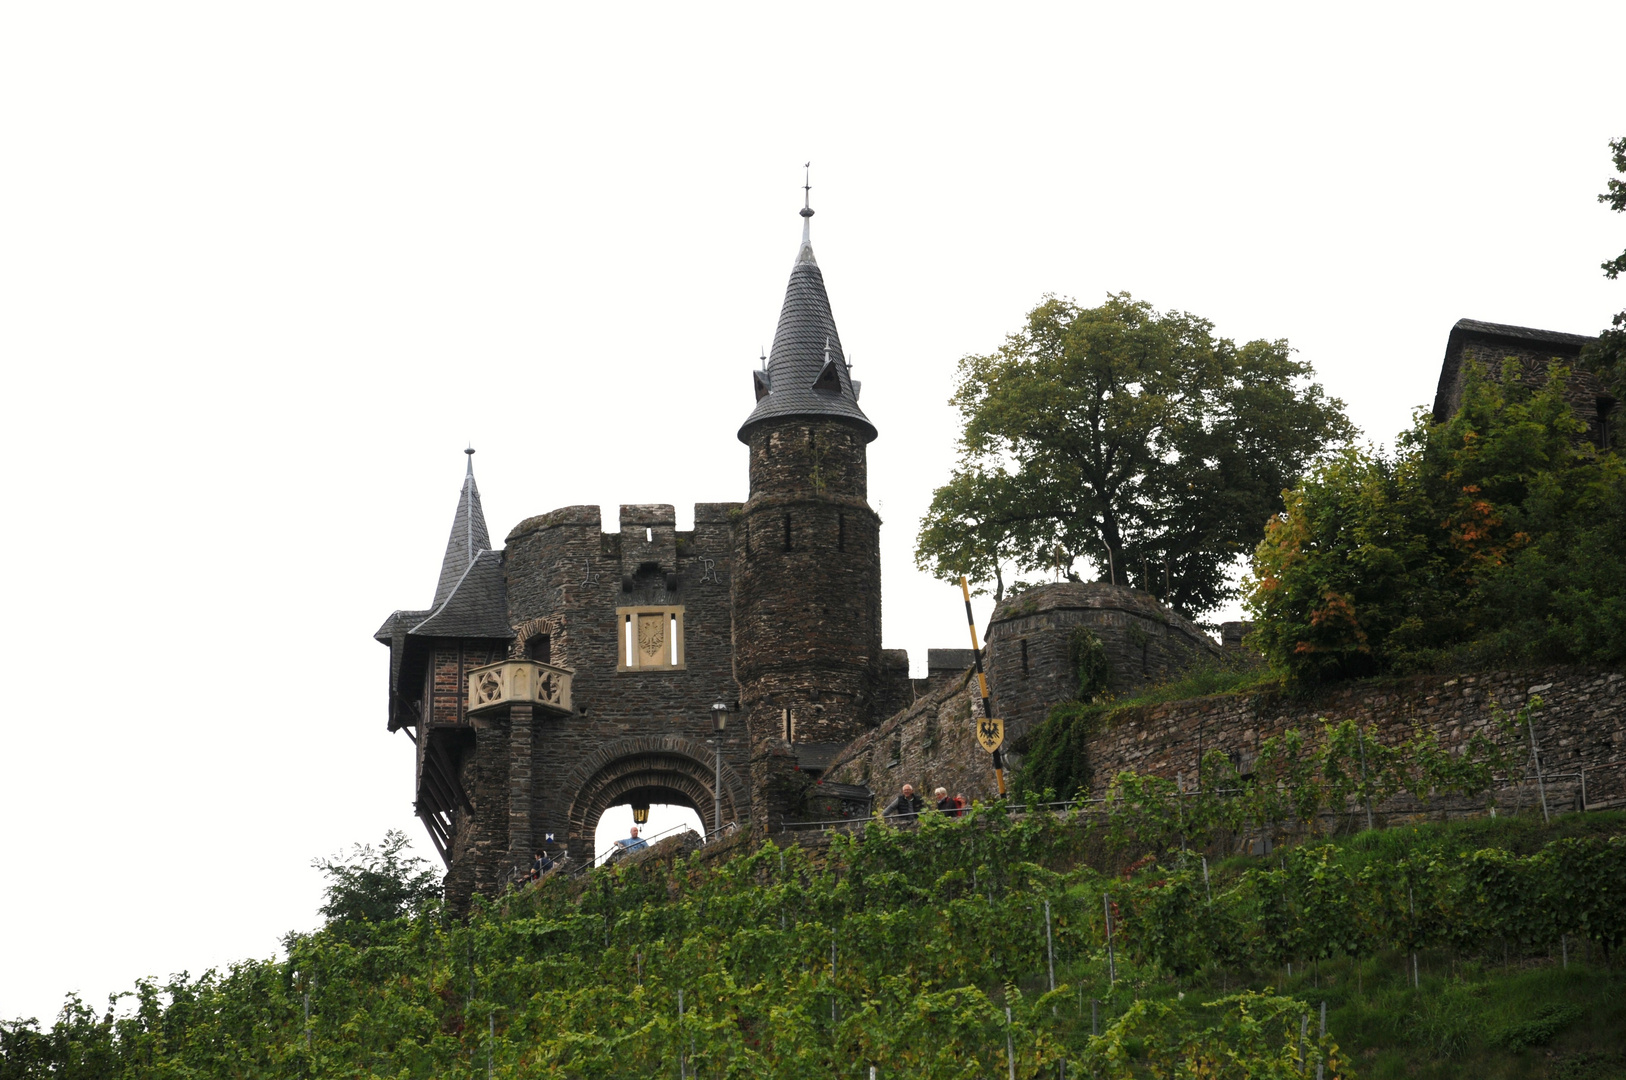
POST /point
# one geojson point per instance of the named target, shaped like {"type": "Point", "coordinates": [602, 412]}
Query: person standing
{"type": "Point", "coordinates": [906, 806]}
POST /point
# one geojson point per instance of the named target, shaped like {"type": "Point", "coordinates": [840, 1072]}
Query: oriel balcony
{"type": "Point", "coordinates": [519, 682]}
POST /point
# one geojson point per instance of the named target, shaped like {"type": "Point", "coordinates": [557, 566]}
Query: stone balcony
{"type": "Point", "coordinates": [519, 682]}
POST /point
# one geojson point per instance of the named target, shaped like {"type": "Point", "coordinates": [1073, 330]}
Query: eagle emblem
{"type": "Point", "coordinates": [990, 733]}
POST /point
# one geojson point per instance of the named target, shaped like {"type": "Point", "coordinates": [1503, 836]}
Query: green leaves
{"type": "Point", "coordinates": [1498, 535]}
{"type": "Point", "coordinates": [1130, 438]}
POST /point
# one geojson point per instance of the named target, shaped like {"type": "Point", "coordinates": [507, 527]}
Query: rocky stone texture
{"type": "Point", "coordinates": [931, 744]}
{"type": "Point", "coordinates": [1581, 729]}
{"type": "Point", "coordinates": [1581, 726]}
{"type": "Point", "coordinates": [1029, 636]}
{"type": "Point", "coordinates": [807, 601]}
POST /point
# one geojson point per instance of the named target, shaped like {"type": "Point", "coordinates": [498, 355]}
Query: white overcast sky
{"type": "Point", "coordinates": [266, 269]}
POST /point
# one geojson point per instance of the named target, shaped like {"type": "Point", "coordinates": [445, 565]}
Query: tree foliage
{"type": "Point", "coordinates": [1496, 536]}
{"type": "Point", "coordinates": [1607, 356]}
{"type": "Point", "coordinates": [1132, 439]}
{"type": "Point", "coordinates": [376, 885]}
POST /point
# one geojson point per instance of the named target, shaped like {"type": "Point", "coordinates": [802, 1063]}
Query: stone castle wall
{"type": "Point", "coordinates": [1581, 728]}
{"type": "Point", "coordinates": [1029, 639]}
{"type": "Point", "coordinates": [565, 575]}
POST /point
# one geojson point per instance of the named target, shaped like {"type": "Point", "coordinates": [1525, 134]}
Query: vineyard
{"type": "Point", "coordinates": [995, 945]}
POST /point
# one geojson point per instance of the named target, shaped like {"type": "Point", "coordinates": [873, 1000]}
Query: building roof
{"type": "Point", "coordinates": [1542, 342]}
{"type": "Point", "coordinates": [807, 371]}
{"type": "Point", "coordinates": [469, 536]}
{"type": "Point", "coordinates": [476, 607]}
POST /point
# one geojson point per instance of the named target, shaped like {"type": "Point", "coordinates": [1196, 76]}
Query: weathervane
{"type": "Point", "coordinates": [807, 190]}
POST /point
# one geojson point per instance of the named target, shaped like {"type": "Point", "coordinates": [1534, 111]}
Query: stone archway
{"type": "Point", "coordinates": [659, 768]}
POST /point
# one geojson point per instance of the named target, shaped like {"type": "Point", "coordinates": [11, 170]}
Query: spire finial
{"type": "Point", "coordinates": [806, 252]}
{"type": "Point", "coordinates": [470, 452]}
{"type": "Point", "coordinates": [764, 359]}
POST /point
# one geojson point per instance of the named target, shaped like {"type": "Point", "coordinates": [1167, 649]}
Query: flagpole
{"type": "Point", "coordinates": [982, 685]}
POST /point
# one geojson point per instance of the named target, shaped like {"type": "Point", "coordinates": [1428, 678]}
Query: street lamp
{"type": "Point", "coordinates": [719, 724]}
{"type": "Point", "coordinates": [640, 814]}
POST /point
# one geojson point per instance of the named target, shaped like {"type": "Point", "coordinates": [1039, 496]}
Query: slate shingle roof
{"type": "Point", "coordinates": [798, 355]}
{"type": "Point", "coordinates": [477, 606]}
{"type": "Point", "coordinates": [468, 538]}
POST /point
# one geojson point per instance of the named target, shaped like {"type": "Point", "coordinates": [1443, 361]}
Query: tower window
{"type": "Point", "coordinates": [540, 649]}
{"type": "Point", "coordinates": [649, 638]}
{"type": "Point", "coordinates": [649, 536]}
{"type": "Point", "coordinates": [787, 532]}
{"type": "Point", "coordinates": [790, 725]}
{"type": "Point", "coordinates": [841, 532]}
{"type": "Point", "coordinates": [1024, 658]}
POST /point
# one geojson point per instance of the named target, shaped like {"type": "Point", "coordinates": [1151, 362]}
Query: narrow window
{"type": "Point", "coordinates": [649, 536]}
{"type": "Point", "coordinates": [841, 532]}
{"type": "Point", "coordinates": [1024, 658]}
{"type": "Point", "coordinates": [540, 649]}
{"type": "Point", "coordinates": [790, 726]}
{"type": "Point", "coordinates": [787, 532]}
{"type": "Point", "coordinates": [672, 642]}
{"type": "Point", "coordinates": [630, 651]}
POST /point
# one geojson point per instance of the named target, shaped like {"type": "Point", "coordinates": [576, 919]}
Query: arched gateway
{"type": "Point", "coordinates": [650, 769]}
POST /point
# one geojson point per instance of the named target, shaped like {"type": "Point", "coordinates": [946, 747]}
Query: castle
{"type": "Point", "coordinates": [722, 668]}
{"type": "Point", "coordinates": [578, 669]}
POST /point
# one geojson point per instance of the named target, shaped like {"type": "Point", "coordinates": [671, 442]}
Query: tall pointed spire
{"type": "Point", "coordinates": [469, 536]}
{"type": "Point", "coordinates": [807, 371]}
{"type": "Point", "coordinates": [805, 252]}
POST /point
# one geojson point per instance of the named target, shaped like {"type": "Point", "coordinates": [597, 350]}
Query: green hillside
{"type": "Point", "coordinates": [924, 952]}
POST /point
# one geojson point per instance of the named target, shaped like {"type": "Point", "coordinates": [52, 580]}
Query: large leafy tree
{"type": "Point", "coordinates": [1136, 441]}
{"type": "Point", "coordinates": [1608, 355]}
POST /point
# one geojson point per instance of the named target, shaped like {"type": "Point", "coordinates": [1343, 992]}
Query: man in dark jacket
{"type": "Point", "coordinates": [907, 805]}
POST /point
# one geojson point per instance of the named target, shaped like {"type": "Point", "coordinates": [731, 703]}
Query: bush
{"type": "Point", "coordinates": [1496, 537]}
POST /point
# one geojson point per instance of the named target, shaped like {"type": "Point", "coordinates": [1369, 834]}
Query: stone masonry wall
{"type": "Point", "coordinates": [1029, 636]}
{"type": "Point", "coordinates": [562, 568]}
{"type": "Point", "coordinates": [1581, 725]}
{"type": "Point", "coordinates": [930, 744]}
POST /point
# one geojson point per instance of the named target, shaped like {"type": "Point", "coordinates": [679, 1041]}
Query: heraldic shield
{"type": "Point", "coordinates": [990, 733]}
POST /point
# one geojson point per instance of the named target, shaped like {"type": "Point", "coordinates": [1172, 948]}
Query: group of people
{"type": "Point", "coordinates": [909, 805]}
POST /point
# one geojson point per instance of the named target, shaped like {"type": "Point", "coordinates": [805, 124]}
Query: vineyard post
{"type": "Point", "coordinates": [1010, 1048]}
{"type": "Point", "coordinates": [308, 1016]}
{"type": "Point", "coordinates": [1095, 1016]}
{"type": "Point", "coordinates": [1320, 1066]}
{"type": "Point", "coordinates": [832, 978]}
{"type": "Point", "coordinates": [1366, 787]}
{"type": "Point", "coordinates": [982, 684]}
{"type": "Point", "coordinates": [1112, 967]}
{"type": "Point", "coordinates": [683, 1069]}
{"type": "Point", "coordinates": [1049, 950]}
{"type": "Point", "coordinates": [1304, 1029]}
{"type": "Point", "coordinates": [1535, 754]}
{"type": "Point", "coordinates": [1411, 932]}
{"type": "Point", "coordinates": [1209, 889]}
{"type": "Point", "coordinates": [491, 1038]}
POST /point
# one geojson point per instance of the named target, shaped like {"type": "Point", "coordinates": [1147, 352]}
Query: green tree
{"type": "Point", "coordinates": [1607, 356]}
{"type": "Point", "coordinates": [376, 885]}
{"type": "Point", "coordinates": [1132, 439]}
{"type": "Point", "coordinates": [1499, 535]}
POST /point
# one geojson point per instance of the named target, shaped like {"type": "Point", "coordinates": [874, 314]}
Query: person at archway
{"type": "Point", "coordinates": [632, 842]}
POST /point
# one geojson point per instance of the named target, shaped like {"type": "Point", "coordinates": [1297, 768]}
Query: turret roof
{"type": "Point", "coordinates": [806, 354]}
{"type": "Point", "coordinates": [468, 538]}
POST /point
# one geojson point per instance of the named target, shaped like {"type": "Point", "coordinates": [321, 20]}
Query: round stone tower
{"type": "Point", "coordinates": [807, 566]}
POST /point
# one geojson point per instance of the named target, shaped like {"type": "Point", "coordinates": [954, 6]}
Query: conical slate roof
{"type": "Point", "coordinates": [468, 539]}
{"type": "Point", "coordinates": [807, 371]}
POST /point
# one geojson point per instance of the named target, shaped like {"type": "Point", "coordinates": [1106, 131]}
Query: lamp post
{"type": "Point", "coordinates": [719, 724]}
